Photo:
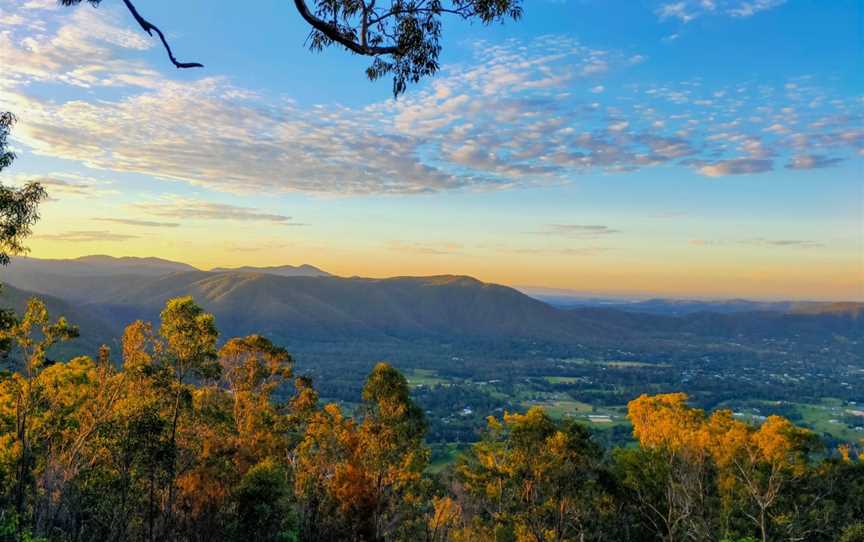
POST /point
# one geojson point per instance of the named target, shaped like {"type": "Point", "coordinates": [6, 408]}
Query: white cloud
{"type": "Point", "coordinates": [430, 249]}
{"type": "Point", "coordinates": [737, 166]}
{"type": "Point", "coordinates": [688, 10]}
{"type": "Point", "coordinates": [82, 51]}
{"type": "Point", "coordinates": [588, 231]}
{"type": "Point", "coordinates": [811, 161]}
{"type": "Point", "coordinates": [86, 236]}
{"type": "Point", "coordinates": [67, 185]}
{"type": "Point", "coordinates": [522, 114]}
{"type": "Point", "coordinates": [190, 209]}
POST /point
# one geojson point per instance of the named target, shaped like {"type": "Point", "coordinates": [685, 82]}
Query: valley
{"type": "Point", "coordinates": [471, 349]}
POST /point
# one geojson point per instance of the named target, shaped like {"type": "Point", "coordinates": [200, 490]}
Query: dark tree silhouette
{"type": "Point", "coordinates": [19, 207]}
{"type": "Point", "coordinates": [402, 36]}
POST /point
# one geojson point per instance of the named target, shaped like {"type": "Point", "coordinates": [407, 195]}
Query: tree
{"type": "Point", "coordinates": [22, 393]}
{"type": "Point", "coordinates": [78, 403]}
{"type": "Point", "coordinates": [538, 479]}
{"type": "Point", "coordinates": [401, 36]}
{"type": "Point", "coordinates": [392, 450]}
{"type": "Point", "coordinates": [363, 481]}
{"type": "Point", "coordinates": [253, 369]}
{"type": "Point", "coordinates": [19, 208]}
{"type": "Point", "coordinates": [754, 465]}
{"type": "Point", "coordinates": [263, 505]}
{"type": "Point", "coordinates": [670, 476]}
{"type": "Point", "coordinates": [189, 335]}
{"type": "Point", "coordinates": [758, 462]}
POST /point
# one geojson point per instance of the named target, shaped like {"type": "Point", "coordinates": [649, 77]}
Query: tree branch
{"type": "Point", "coordinates": [149, 28]}
{"type": "Point", "coordinates": [332, 31]}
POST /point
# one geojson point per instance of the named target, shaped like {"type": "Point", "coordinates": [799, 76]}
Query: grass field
{"type": "Point", "coordinates": [825, 417]}
{"type": "Point", "coordinates": [562, 379]}
{"type": "Point", "coordinates": [444, 455]}
{"type": "Point", "coordinates": [424, 377]}
{"type": "Point", "coordinates": [618, 364]}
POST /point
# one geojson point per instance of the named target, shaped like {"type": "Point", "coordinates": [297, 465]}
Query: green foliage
{"type": "Point", "coordinates": [10, 530]}
{"type": "Point", "coordinates": [19, 207]}
{"type": "Point", "coordinates": [853, 533]}
{"type": "Point", "coordinates": [538, 478]}
{"type": "Point", "coordinates": [263, 504]}
{"type": "Point", "coordinates": [190, 337]}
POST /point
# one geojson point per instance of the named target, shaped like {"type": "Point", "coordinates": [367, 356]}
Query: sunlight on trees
{"type": "Point", "coordinates": [189, 442]}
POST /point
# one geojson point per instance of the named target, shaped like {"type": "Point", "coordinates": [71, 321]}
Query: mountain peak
{"type": "Point", "coordinates": [302, 270]}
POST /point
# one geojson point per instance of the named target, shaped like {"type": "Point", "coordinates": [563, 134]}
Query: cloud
{"type": "Point", "coordinates": [184, 209]}
{"type": "Point", "coordinates": [791, 243]}
{"type": "Point", "coordinates": [688, 10]}
{"type": "Point", "coordinates": [80, 51]}
{"type": "Point", "coordinates": [703, 242]}
{"type": "Point", "coordinates": [580, 251]}
{"type": "Point", "coordinates": [504, 248]}
{"type": "Point", "coordinates": [759, 241]}
{"type": "Point", "coordinates": [61, 185]}
{"type": "Point", "coordinates": [748, 9]}
{"type": "Point", "coordinates": [87, 236]}
{"type": "Point", "coordinates": [812, 161]}
{"type": "Point", "coordinates": [432, 249]}
{"type": "Point", "coordinates": [520, 114]}
{"type": "Point", "coordinates": [577, 230]}
{"type": "Point", "coordinates": [738, 166]}
{"type": "Point", "coordinates": [141, 223]}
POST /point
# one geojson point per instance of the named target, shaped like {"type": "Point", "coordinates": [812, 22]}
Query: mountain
{"type": "Point", "coordinates": [683, 307]}
{"type": "Point", "coordinates": [98, 279]}
{"type": "Point", "coordinates": [97, 265]}
{"type": "Point", "coordinates": [446, 309]}
{"type": "Point", "coordinates": [304, 270]}
{"type": "Point", "coordinates": [96, 328]}
{"type": "Point", "coordinates": [327, 308]}
{"type": "Point", "coordinates": [854, 310]}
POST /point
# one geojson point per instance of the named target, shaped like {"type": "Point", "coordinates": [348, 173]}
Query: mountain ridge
{"type": "Point", "coordinates": [444, 308]}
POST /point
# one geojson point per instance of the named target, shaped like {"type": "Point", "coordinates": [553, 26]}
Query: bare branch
{"type": "Point", "coordinates": [149, 28]}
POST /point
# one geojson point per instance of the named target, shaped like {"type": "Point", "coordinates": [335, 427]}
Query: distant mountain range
{"type": "Point", "coordinates": [304, 270]}
{"type": "Point", "coordinates": [304, 303]}
{"type": "Point", "coordinates": [678, 307]}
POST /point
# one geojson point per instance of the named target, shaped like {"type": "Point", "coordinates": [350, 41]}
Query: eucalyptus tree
{"type": "Point", "coordinates": [19, 207]}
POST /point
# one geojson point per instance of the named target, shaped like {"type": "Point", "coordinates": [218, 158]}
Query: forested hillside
{"type": "Point", "coordinates": [301, 304]}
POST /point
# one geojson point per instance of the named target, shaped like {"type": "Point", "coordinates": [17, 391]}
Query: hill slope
{"type": "Point", "coordinates": [444, 308]}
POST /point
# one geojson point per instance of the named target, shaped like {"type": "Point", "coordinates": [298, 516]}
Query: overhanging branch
{"type": "Point", "coordinates": [332, 31]}
{"type": "Point", "coordinates": [150, 28]}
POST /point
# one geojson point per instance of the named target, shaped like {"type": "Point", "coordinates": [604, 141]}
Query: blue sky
{"type": "Point", "coordinates": [707, 148]}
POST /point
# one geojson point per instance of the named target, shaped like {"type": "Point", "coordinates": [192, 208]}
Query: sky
{"type": "Point", "coordinates": [693, 148]}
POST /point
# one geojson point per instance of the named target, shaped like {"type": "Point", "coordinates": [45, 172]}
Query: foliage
{"type": "Point", "coordinates": [853, 533]}
{"type": "Point", "coordinates": [19, 207]}
{"type": "Point", "coordinates": [540, 479]}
